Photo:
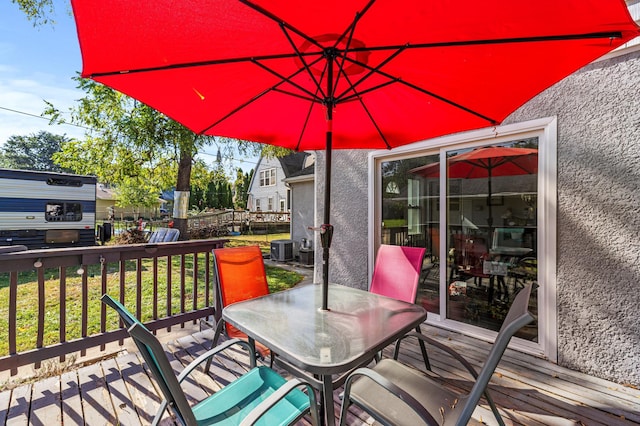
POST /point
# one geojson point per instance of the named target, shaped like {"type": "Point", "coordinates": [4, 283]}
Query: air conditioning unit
{"type": "Point", "coordinates": [282, 250]}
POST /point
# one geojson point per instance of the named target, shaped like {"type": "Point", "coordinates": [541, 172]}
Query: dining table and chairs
{"type": "Point", "coordinates": [323, 347]}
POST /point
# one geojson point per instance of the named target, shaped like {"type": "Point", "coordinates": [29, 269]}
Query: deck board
{"type": "Point", "coordinates": [19, 406]}
{"type": "Point", "coordinates": [45, 402]}
{"type": "Point", "coordinates": [528, 391]}
{"type": "Point", "coordinates": [70, 400]}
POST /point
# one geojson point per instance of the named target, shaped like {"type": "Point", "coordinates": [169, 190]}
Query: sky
{"type": "Point", "coordinates": [38, 64]}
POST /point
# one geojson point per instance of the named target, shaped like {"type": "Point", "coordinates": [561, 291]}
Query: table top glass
{"type": "Point", "coordinates": [356, 326]}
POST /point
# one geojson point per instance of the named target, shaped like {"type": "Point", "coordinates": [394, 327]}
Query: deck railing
{"type": "Point", "coordinates": [50, 299]}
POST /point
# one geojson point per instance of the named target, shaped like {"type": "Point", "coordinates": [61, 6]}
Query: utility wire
{"type": "Point", "coordinates": [41, 117]}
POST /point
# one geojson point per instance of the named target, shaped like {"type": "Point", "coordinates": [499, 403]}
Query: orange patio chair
{"type": "Point", "coordinates": [396, 274]}
{"type": "Point", "coordinates": [240, 275]}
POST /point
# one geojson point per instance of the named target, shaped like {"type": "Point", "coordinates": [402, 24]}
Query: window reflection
{"type": "Point", "coordinates": [490, 231]}
{"type": "Point", "coordinates": [410, 217]}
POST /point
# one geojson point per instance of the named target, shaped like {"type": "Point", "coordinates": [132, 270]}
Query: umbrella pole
{"type": "Point", "coordinates": [326, 231]}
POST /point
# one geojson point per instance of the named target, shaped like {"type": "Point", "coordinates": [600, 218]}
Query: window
{"type": "Point", "coordinates": [63, 211]}
{"type": "Point", "coordinates": [270, 204]}
{"type": "Point", "coordinates": [282, 205]}
{"type": "Point", "coordinates": [268, 177]}
{"type": "Point", "coordinates": [63, 181]}
{"type": "Point", "coordinates": [490, 238]}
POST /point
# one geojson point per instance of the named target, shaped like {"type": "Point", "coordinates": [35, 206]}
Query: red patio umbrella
{"type": "Point", "coordinates": [486, 162]}
{"type": "Point", "coordinates": [341, 74]}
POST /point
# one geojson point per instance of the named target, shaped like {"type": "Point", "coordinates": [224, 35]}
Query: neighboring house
{"type": "Point", "coordinates": [106, 206]}
{"type": "Point", "coordinates": [285, 185]}
{"type": "Point", "coordinates": [267, 189]}
{"type": "Point", "coordinates": [578, 223]}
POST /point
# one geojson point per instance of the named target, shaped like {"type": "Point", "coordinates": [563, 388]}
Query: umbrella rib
{"type": "Point", "coordinates": [343, 58]}
{"type": "Point", "coordinates": [426, 92]}
{"type": "Point", "coordinates": [304, 126]}
{"type": "Point", "coordinates": [371, 89]}
{"type": "Point", "coordinates": [304, 63]}
{"type": "Point", "coordinates": [610, 35]}
{"type": "Point", "coordinates": [351, 28]}
{"type": "Point", "coordinates": [281, 22]}
{"type": "Point", "coordinates": [533, 39]}
{"type": "Point", "coordinates": [372, 71]}
{"type": "Point", "coordinates": [366, 110]}
{"type": "Point", "coordinates": [200, 64]}
{"type": "Point", "coordinates": [284, 79]}
{"type": "Point", "coordinates": [288, 79]}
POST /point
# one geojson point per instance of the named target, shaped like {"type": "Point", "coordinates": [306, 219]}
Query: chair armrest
{"type": "Point", "coordinates": [396, 391]}
{"type": "Point", "coordinates": [210, 353]}
{"type": "Point", "coordinates": [457, 356]}
{"type": "Point", "coordinates": [440, 346]}
{"type": "Point", "coordinates": [277, 396]}
{"type": "Point", "coordinates": [193, 364]}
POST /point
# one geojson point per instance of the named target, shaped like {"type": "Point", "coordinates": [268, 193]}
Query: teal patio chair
{"type": "Point", "coordinates": [395, 394]}
{"type": "Point", "coordinates": [260, 396]}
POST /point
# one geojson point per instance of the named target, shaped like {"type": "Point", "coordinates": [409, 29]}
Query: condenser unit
{"type": "Point", "coordinates": [282, 250]}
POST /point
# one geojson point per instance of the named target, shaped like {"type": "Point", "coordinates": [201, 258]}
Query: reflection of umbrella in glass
{"type": "Point", "coordinates": [389, 72]}
{"type": "Point", "coordinates": [487, 162]}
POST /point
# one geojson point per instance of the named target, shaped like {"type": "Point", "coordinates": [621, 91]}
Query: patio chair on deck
{"type": "Point", "coordinates": [259, 396]}
{"type": "Point", "coordinates": [395, 394]}
{"type": "Point", "coordinates": [396, 274]}
{"type": "Point", "coordinates": [240, 275]}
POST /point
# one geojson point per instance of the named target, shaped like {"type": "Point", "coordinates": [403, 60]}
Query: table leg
{"type": "Point", "coordinates": [327, 401]}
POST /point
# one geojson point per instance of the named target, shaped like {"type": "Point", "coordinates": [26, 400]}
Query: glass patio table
{"type": "Point", "coordinates": [324, 346]}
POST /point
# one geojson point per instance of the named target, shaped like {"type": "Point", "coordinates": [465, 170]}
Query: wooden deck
{"type": "Point", "coordinates": [118, 390]}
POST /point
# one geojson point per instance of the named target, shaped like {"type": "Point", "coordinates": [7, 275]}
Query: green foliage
{"type": "Point", "coordinates": [33, 152]}
{"type": "Point", "coordinates": [243, 180]}
{"type": "Point", "coordinates": [37, 11]}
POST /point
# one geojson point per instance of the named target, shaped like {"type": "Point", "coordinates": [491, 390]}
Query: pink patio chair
{"type": "Point", "coordinates": [396, 274]}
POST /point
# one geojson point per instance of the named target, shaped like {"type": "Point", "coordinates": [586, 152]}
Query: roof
{"type": "Point", "coordinates": [294, 164]}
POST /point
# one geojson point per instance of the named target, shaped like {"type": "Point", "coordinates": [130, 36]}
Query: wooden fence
{"type": "Point", "coordinates": [163, 284]}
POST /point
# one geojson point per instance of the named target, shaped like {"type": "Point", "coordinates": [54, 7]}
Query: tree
{"type": "Point", "coordinates": [33, 152]}
{"type": "Point", "coordinates": [242, 188]}
{"type": "Point", "coordinates": [131, 143]}
{"type": "Point", "coordinates": [37, 11]}
{"type": "Point", "coordinates": [132, 146]}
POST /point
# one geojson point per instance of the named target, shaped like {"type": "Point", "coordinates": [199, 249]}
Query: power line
{"type": "Point", "coordinates": [41, 117]}
{"type": "Point", "coordinates": [233, 159]}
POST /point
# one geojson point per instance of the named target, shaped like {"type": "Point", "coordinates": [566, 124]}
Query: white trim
{"type": "Point", "coordinates": [546, 131]}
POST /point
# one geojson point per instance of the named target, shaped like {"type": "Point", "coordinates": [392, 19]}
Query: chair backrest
{"type": "Point", "coordinates": [396, 272]}
{"type": "Point", "coordinates": [172, 235]}
{"type": "Point", "coordinates": [157, 236]}
{"type": "Point", "coordinates": [240, 275]}
{"type": "Point", "coordinates": [517, 317]}
{"type": "Point", "coordinates": [156, 359]}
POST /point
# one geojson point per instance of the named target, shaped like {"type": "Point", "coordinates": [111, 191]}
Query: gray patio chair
{"type": "Point", "coordinates": [164, 235]}
{"type": "Point", "coordinates": [260, 396]}
{"type": "Point", "coordinates": [395, 394]}
{"type": "Point", "coordinates": [158, 235]}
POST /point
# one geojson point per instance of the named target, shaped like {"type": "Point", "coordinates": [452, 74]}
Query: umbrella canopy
{"type": "Point", "coordinates": [341, 73]}
{"type": "Point", "coordinates": [486, 162]}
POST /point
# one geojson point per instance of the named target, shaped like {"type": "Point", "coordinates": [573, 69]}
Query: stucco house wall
{"type": "Point", "coordinates": [598, 218]}
{"type": "Point", "coordinates": [349, 192]}
{"type": "Point", "coordinates": [598, 266]}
